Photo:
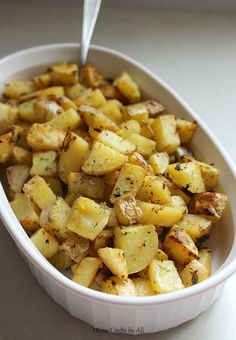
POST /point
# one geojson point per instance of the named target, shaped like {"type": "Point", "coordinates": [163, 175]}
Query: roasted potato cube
{"type": "Point", "coordinates": [193, 273]}
{"type": "Point", "coordinates": [45, 137]}
{"type": "Point", "coordinates": [195, 225]}
{"type": "Point", "coordinates": [209, 204]}
{"type": "Point", "coordinates": [135, 111]}
{"type": "Point", "coordinates": [93, 98]}
{"type": "Point", "coordinates": [139, 244]}
{"type": "Point", "coordinates": [46, 109]}
{"type": "Point", "coordinates": [110, 92]}
{"type": "Point", "coordinates": [155, 190]}
{"type": "Point", "coordinates": [137, 159]}
{"type": "Point", "coordinates": [185, 129]}
{"type": "Point", "coordinates": [74, 91]}
{"type": "Point", "coordinates": [103, 160]}
{"type": "Point", "coordinates": [6, 147]}
{"type": "Point", "coordinates": [127, 211]}
{"type": "Point", "coordinates": [26, 212]}
{"type": "Point", "coordinates": [63, 74]}
{"type": "Point", "coordinates": [87, 218]}
{"type": "Point", "coordinates": [38, 190]}
{"type": "Point", "coordinates": [112, 222]}
{"type": "Point", "coordinates": [76, 247]}
{"type": "Point", "coordinates": [112, 109]}
{"type": "Point", "coordinates": [115, 142]}
{"type": "Point", "coordinates": [48, 92]}
{"type": "Point", "coordinates": [20, 156]}
{"type": "Point", "coordinates": [205, 259]}
{"type": "Point", "coordinates": [176, 191]}
{"type": "Point", "coordinates": [129, 127]}
{"type": "Point", "coordinates": [165, 133]}
{"type": "Point", "coordinates": [45, 243]}
{"type": "Point", "coordinates": [104, 239]}
{"type": "Point", "coordinates": [179, 246]}
{"type": "Point", "coordinates": [65, 102]}
{"type": "Point", "coordinates": [42, 81]}
{"type": "Point", "coordinates": [188, 176]}
{"type": "Point", "coordinates": [72, 155]}
{"type": "Point", "coordinates": [16, 88]}
{"type": "Point", "coordinates": [129, 181]}
{"type": "Point", "coordinates": [143, 287]}
{"type": "Point", "coordinates": [115, 260]}
{"type": "Point", "coordinates": [164, 277]}
{"type": "Point", "coordinates": [55, 184]}
{"type": "Point", "coordinates": [54, 218]}
{"type": "Point", "coordinates": [159, 162]}
{"type": "Point", "coordinates": [17, 175]}
{"type": "Point", "coordinates": [117, 286]}
{"type": "Point", "coordinates": [161, 255]}
{"type": "Point", "coordinates": [91, 77]}
{"type": "Point", "coordinates": [86, 271]}
{"type": "Point", "coordinates": [61, 260]}
{"type": "Point", "coordinates": [27, 112]}
{"type": "Point", "coordinates": [128, 87]}
{"type": "Point", "coordinates": [44, 163]}
{"type": "Point", "coordinates": [178, 202]}
{"type": "Point", "coordinates": [67, 120]}
{"type": "Point", "coordinates": [86, 185]}
{"type": "Point", "coordinates": [8, 116]}
{"type": "Point", "coordinates": [146, 128]}
{"type": "Point", "coordinates": [161, 215]}
{"type": "Point", "coordinates": [154, 108]}
{"type": "Point", "coordinates": [144, 145]}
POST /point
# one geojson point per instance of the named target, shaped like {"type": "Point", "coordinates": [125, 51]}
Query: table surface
{"type": "Point", "coordinates": [195, 54]}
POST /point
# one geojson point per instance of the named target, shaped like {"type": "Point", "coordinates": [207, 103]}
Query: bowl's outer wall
{"type": "Point", "coordinates": [104, 312]}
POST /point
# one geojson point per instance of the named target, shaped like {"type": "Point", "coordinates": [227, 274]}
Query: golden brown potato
{"type": "Point", "coordinates": [154, 108]}
{"type": "Point", "coordinates": [159, 162]}
{"type": "Point", "coordinates": [143, 286]}
{"type": "Point", "coordinates": [16, 88]}
{"type": "Point", "coordinates": [61, 260]}
{"type": "Point", "coordinates": [115, 142]}
{"type": "Point", "coordinates": [116, 286]}
{"type": "Point", "coordinates": [193, 273]}
{"type": "Point", "coordinates": [128, 87]}
{"type": "Point", "coordinates": [45, 243]}
{"type": "Point", "coordinates": [76, 247]}
{"type": "Point", "coordinates": [63, 74]}
{"type": "Point", "coordinates": [91, 77]}
{"type": "Point", "coordinates": [17, 176]}
{"type": "Point", "coordinates": [44, 163]}
{"type": "Point", "coordinates": [185, 129]}
{"type": "Point", "coordinates": [127, 211]}
{"type": "Point", "coordinates": [205, 259]}
{"type": "Point", "coordinates": [144, 145]}
{"type": "Point", "coordinates": [195, 225]}
{"type": "Point", "coordinates": [115, 260]}
{"type": "Point", "coordinates": [86, 271]}
{"type": "Point", "coordinates": [135, 111]}
{"type": "Point", "coordinates": [8, 116]}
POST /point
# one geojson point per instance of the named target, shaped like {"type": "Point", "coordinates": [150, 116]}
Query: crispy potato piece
{"type": "Point", "coordinates": [176, 191]}
{"type": "Point", "coordinates": [161, 255]}
{"type": "Point", "coordinates": [193, 273]}
{"type": "Point", "coordinates": [104, 239]}
{"type": "Point", "coordinates": [154, 108]}
{"type": "Point", "coordinates": [72, 154]}
{"type": "Point", "coordinates": [20, 156]}
{"type": "Point", "coordinates": [91, 98]}
{"type": "Point", "coordinates": [143, 286]}
{"type": "Point", "coordinates": [144, 145]}
{"type": "Point", "coordinates": [206, 260]}
{"type": "Point", "coordinates": [110, 92]}
{"type": "Point", "coordinates": [103, 160]}
{"type": "Point", "coordinates": [164, 277]}
{"type": "Point", "coordinates": [76, 247]}
{"type": "Point", "coordinates": [137, 112]}
{"type": "Point", "coordinates": [45, 109]}
{"type": "Point", "coordinates": [116, 286]}
{"type": "Point", "coordinates": [48, 92]}
{"type": "Point", "coordinates": [179, 246]}
{"type": "Point", "coordinates": [112, 222]}
{"type": "Point", "coordinates": [129, 127]}
{"type": "Point", "coordinates": [87, 218]}
{"type": "Point", "coordinates": [128, 87]}
{"type": "Point", "coordinates": [137, 159]}
{"type": "Point", "coordinates": [139, 244]}
{"type": "Point", "coordinates": [196, 226]}
{"type": "Point", "coordinates": [86, 271]}
{"type": "Point", "coordinates": [209, 204]}
{"type": "Point", "coordinates": [74, 91]}
{"type": "Point", "coordinates": [165, 133]}
{"type": "Point", "coordinates": [159, 162]}
{"type": "Point", "coordinates": [8, 117]}
{"type": "Point", "coordinates": [185, 129]}
{"type": "Point", "coordinates": [61, 260]}
{"type": "Point", "coordinates": [91, 77]}
{"type": "Point", "coordinates": [45, 243]}
{"type": "Point", "coordinates": [67, 120]}
{"type": "Point", "coordinates": [112, 109]}
{"type": "Point", "coordinates": [16, 88]}
{"type": "Point", "coordinates": [63, 74]}
{"type": "Point", "coordinates": [65, 102]}
{"type": "Point", "coordinates": [115, 142]}
{"type": "Point", "coordinates": [115, 260]}
{"type": "Point", "coordinates": [146, 128]}
{"type": "Point", "coordinates": [26, 212]}
{"type": "Point", "coordinates": [44, 163]}
{"type": "Point", "coordinates": [17, 175]}
{"type": "Point", "coordinates": [42, 81]}
{"type": "Point", "coordinates": [127, 211]}
{"type": "Point", "coordinates": [178, 202]}
{"type": "Point", "coordinates": [6, 147]}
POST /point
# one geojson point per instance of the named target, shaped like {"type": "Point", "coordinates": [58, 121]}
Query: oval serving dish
{"type": "Point", "coordinates": [109, 312]}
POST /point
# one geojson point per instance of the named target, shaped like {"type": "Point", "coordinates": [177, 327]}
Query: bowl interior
{"type": "Point", "coordinates": [25, 66]}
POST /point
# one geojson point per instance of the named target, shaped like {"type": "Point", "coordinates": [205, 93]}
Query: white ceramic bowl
{"type": "Point", "coordinates": [126, 314]}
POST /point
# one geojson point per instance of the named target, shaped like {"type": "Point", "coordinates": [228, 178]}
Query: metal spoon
{"type": "Point", "coordinates": [90, 14]}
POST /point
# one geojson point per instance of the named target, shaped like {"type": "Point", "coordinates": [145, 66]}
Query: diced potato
{"type": "Point", "coordinates": [146, 128]}
{"type": "Point", "coordinates": [129, 127]}
{"type": "Point", "coordinates": [139, 244]}
{"type": "Point", "coordinates": [188, 176]}
{"type": "Point", "coordinates": [76, 247]}
{"type": "Point", "coordinates": [161, 255]}
{"type": "Point", "coordinates": [61, 260]}
{"type": "Point", "coordinates": [179, 246]}
{"type": "Point", "coordinates": [103, 240]}
{"type": "Point", "coordinates": [144, 145]}
{"type": "Point", "coordinates": [87, 218]}
{"type": "Point", "coordinates": [193, 273]}
{"type": "Point", "coordinates": [86, 271]}
{"type": "Point", "coordinates": [16, 88]}
{"type": "Point", "coordinates": [20, 156]}
{"type": "Point", "coordinates": [6, 147]}
{"type": "Point", "coordinates": [117, 286]}
{"type": "Point", "coordinates": [64, 74]}
{"type": "Point", "coordinates": [111, 92]}
{"type": "Point", "coordinates": [164, 277]}
{"type": "Point", "coordinates": [17, 175]}
{"type": "Point", "coordinates": [26, 212]}
{"type": "Point", "coordinates": [112, 109]}
{"type": "Point", "coordinates": [159, 162]}
{"type": "Point", "coordinates": [135, 111]}
{"type": "Point", "coordinates": [8, 116]}
{"type": "Point", "coordinates": [42, 81]}
{"type": "Point", "coordinates": [44, 163]}
{"type": "Point", "coordinates": [128, 87]}
{"type": "Point", "coordinates": [165, 133]}
{"type": "Point", "coordinates": [209, 204]}
{"type": "Point", "coordinates": [185, 129]}
{"type": "Point", "coordinates": [93, 98]}
{"type": "Point", "coordinates": [65, 102]}
{"type": "Point", "coordinates": [46, 109]}
{"type": "Point", "coordinates": [72, 155]}
{"type": "Point", "coordinates": [27, 112]}
{"type": "Point", "coordinates": [91, 77]}
{"type": "Point", "coordinates": [154, 108]}
{"type": "Point", "coordinates": [155, 190]}
{"type": "Point", "coordinates": [115, 142]}
{"type": "Point", "coordinates": [38, 190]}
{"type": "Point", "coordinates": [137, 159]}
{"type": "Point", "coordinates": [143, 287]}
{"type": "Point", "coordinates": [112, 222]}
{"type": "Point", "coordinates": [161, 215]}
{"type": "Point", "coordinates": [129, 181]}
{"type": "Point", "coordinates": [115, 260]}
{"type": "Point", "coordinates": [176, 191]}
{"type": "Point", "coordinates": [48, 92]}
{"type": "Point", "coordinates": [195, 225]}
{"type": "Point", "coordinates": [86, 185]}
{"type": "Point", "coordinates": [127, 211]}
{"type": "Point", "coordinates": [205, 259]}
{"type": "Point", "coordinates": [55, 184]}
{"type": "Point", "coordinates": [103, 160]}
{"type": "Point", "coordinates": [74, 91]}
{"type": "Point", "coordinates": [45, 243]}
{"type": "Point", "coordinates": [54, 218]}
{"type": "Point", "coordinates": [45, 137]}
{"type": "Point", "coordinates": [67, 120]}
{"type": "Point", "coordinates": [178, 202]}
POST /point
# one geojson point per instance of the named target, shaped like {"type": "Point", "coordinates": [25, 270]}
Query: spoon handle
{"type": "Point", "coordinates": [90, 14]}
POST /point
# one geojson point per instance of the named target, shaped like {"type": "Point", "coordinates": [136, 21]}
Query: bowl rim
{"type": "Point", "coordinates": [39, 261]}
